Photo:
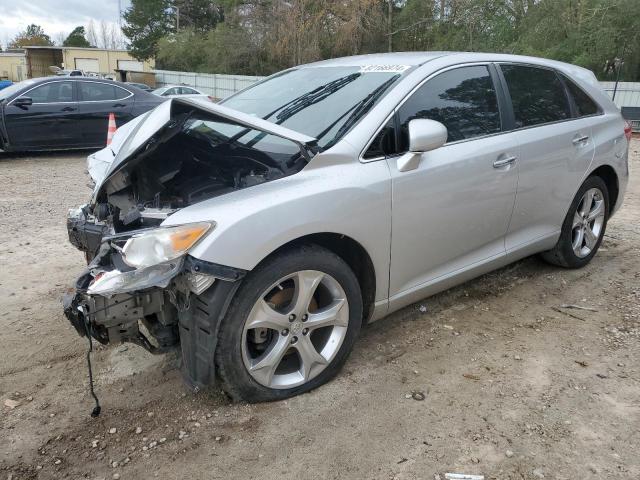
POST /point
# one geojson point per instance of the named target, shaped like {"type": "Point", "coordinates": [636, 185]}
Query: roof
{"type": "Point", "coordinates": [53, 47]}
{"type": "Point", "coordinates": [416, 59]}
{"type": "Point", "coordinates": [395, 58]}
{"type": "Point", "coordinates": [66, 78]}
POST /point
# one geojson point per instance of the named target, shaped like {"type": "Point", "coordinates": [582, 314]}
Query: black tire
{"type": "Point", "coordinates": [562, 254]}
{"type": "Point", "coordinates": [232, 373]}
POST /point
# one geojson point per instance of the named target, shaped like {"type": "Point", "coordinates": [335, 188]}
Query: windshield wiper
{"type": "Point", "coordinates": [298, 104]}
{"type": "Point", "coordinates": [358, 111]}
{"type": "Point", "coordinates": [289, 109]}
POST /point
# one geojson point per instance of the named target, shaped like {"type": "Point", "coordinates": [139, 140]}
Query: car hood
{"type": "Point", "coordinates": [132, 137]}
{"type": "Point", "coordinates": [163, 114]}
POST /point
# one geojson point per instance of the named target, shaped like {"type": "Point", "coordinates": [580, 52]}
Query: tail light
{"type": "Point", "coordinates": [627, 130]}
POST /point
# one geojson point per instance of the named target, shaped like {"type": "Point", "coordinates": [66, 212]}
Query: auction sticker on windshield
{"type": "Point", "coordinates": [384, 68]}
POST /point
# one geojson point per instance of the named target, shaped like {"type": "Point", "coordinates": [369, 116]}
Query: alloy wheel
{"type": "Point", "coordinates": [588, 221]}
{"type": "Point", "coordinates": [295, 329]}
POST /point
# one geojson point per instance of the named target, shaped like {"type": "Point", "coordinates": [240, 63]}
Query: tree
{"type": "Point", "coordinates": [147, 21]}
{"type": "Point", "coordinates": [258, 37]}
{"type": "Point", "coordinates": [198, 15]}
{"type": "Point", "coordinates": [33, 35]}
{"type": "Point", "coordinates": [76, 39]}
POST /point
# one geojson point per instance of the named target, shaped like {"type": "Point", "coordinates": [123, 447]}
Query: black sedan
{"type": "Point", "coordinates": [72, 112]}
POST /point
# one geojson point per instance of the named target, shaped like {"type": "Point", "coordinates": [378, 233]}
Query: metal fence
{"type": "Point", "coordinates": [627, 93]}
{"type": "Point", "coordinates": [214, 84]}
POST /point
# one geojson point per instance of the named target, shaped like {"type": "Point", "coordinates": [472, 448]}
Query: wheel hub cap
{"type": "Point", "coordinates": [295, 329]}
{"type": "Point", "coordinates": [588, 221]}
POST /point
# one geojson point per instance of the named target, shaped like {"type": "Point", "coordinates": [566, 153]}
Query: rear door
{"type": "Point", "coordinates": [48, 122]}
{"type": "Point", "coordinates": [96, 100]}
{"type": "Point", "coordinates": [556, 149]}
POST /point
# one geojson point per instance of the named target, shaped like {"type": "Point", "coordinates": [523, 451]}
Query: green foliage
{"type": "Point", "coordinates": [184, 51]}
{"type": "Point", "coordinates": [198, 15]}
{"type": "Point", "coordinates": [263, 36]}
{"type": "Point", "coordinates": [33, 35]}
{"type": "Point", "coordinates": [76, 39]}
{"type": "Point", "coordinates": [147, 21]}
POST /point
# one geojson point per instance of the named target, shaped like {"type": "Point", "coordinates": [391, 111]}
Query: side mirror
{"type": "Point", "coordinates": [23, 102]}
{"type": "Point", "coordinates": [424, 136]}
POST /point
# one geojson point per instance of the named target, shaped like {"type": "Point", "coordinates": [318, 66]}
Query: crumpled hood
{"type": "Point", "coordinates": [132, 137]}
{"type": "Point", "coordinates": [98, 163]}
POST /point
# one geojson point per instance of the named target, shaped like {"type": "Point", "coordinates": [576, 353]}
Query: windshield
{"type": "Point", "coordinates": [13, 89]}
{"type": "Point", "coordinates": [322, 102]}
{"type": "Point", "coordinates": [159, 91]}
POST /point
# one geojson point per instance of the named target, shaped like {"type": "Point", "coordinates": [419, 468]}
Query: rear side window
{"type": "Point", "coordinates": [53, 92]}
{"type": "Point", "coordinates": [97, 92]}
{"type": "Point", "coordinates": [463, 99]}
{"type": "Point", "coordinates": [537, 94]}
{"type": "Point", "coordinates": [584, 105]}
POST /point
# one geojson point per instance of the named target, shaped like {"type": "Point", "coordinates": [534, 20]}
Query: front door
{"type": "Point", "coordinates": [452, 212]}
{"type": "Point", "coordinates": [48, 121]}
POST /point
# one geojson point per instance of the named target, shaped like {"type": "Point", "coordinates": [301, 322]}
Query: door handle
{"type": "Point", "coordinates": [503, 162]}
{"type": "Point", "coordinates": [119, 105]}
{"type": "Point", "coordinates": [68, 109]}
{"type": "Point", "coordinates": [580, 139]}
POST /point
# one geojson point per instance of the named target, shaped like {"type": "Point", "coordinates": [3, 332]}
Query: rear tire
{"type": "Point", "coordinates": [290, 327]}
{"type": "Point", "coordinates": [583, 227]}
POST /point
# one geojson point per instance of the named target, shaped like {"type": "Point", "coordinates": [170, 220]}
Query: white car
{"type": "Point", "coordinates": [175, 91]}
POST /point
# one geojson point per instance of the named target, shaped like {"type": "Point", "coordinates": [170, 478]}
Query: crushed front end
{"type": "Point", "coordinates": [141, 284]}
{"type": "Point", "coordinates": [153, 306]}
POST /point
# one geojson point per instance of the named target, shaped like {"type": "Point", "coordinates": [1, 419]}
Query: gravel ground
{"type": "Point", "coordinates": [516, 387]}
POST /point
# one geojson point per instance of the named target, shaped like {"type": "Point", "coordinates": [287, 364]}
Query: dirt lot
{"type": "Point", "coordinates": [516, 386]}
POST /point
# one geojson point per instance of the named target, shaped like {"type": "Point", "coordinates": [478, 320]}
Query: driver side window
{"type": "Point", "coordinates": [463, 99]}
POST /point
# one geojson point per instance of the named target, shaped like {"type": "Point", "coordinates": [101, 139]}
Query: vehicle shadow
{"type": "Point", "coordinates": [44, 155]}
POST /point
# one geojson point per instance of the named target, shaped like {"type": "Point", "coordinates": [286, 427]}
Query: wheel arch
{"type": "Point", "coordinates": [349, 250]}
{"type": "Point", "coordinates": [610, 178]}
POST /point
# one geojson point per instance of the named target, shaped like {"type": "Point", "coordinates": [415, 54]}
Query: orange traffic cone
{"type": "Point", "coordinates": [112, 128]}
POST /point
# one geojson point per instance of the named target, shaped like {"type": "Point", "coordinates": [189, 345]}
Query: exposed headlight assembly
{"type": "Point", "coordinates": [163, 244]}
{"type": "Point", "coordinates": [115, 281]}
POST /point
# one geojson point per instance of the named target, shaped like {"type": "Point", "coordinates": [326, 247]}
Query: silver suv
{"type": "Point", "coordinates": [259, 234]}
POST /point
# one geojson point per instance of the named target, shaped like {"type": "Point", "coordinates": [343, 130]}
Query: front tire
{"type": "Point", "coordinates": [584, 226]}
{"type": "Point", "coordinates": [290, 326]}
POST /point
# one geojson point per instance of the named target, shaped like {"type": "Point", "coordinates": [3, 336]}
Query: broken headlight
{"type": "Point", "coordinates": [163, 244]}
{"type": "Point", "coordinates": [115, 281]}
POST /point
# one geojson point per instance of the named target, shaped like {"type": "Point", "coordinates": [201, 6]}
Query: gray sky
{"type": "Point", "coordinates": [55, 16]}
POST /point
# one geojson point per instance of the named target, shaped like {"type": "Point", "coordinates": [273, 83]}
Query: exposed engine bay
{"type": "Point", "coordinates": [195, 157]}
{"type": "Point", "coordinates": [141, 285]}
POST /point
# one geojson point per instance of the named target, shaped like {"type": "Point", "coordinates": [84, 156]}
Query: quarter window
{"type": "Point", "coordinates": [584, 105]}
{"type": "Point", "coordinates": [53, 92]}
{"type": "Point", "coordinates": [384, 143]}
{"type": "Point", "coordinates": [97, 92]}
{"type": "Point", "coordinates": [537, 95]}
{"type": "Point", "coordinates": [463, 99]}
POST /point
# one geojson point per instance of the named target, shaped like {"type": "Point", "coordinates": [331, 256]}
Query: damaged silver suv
{"type": "Point", "coordinates": [257, 236]}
